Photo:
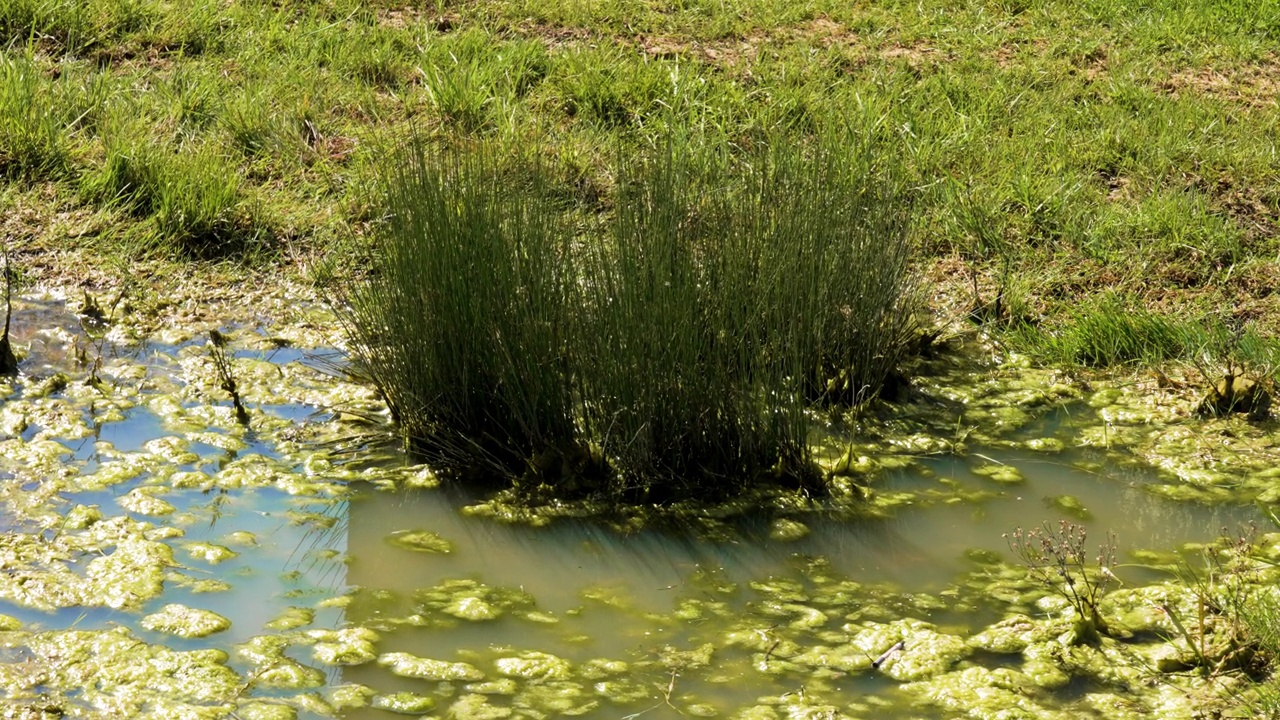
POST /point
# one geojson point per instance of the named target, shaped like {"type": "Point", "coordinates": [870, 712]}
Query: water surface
{"type": "Point", "coordinates": [681, 624]}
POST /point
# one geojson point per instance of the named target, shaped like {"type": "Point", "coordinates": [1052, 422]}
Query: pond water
{"type": "Point", "coordinates": [469, 617]}
{"type": "Point", "coordinates": [645, 576]}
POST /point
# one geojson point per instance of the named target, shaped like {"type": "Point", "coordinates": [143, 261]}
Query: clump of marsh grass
{"type": "Point", "coordinates": [193, 194]}
{"type": "Point", "coordinates": [832, 221]}
{"type": "Point", "coordinates": [35, 136]}
{"type": "Point", "coordinates": [1109, 332]}
{"type": "Point", "coordinates": [68, 24]}
{"type": "Point", "coordinates": [131, 168]}
{"type": "Point", "coordinates": [461, 326]}
{"type": "Point", "coordinates": [199, 205]}
{"type": "Point", "coordinates": [679, 393]}
{"type": "Point", "coordinates": [676, 354]}
{"type": "Point", "coordinates": [733, 293]}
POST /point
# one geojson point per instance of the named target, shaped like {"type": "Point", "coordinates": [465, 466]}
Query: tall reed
{"type": "Point", "coordinates": [461, 324]}
{"type": "Point", "coordinates": [678, 395]}
{"type": "Point", "coordinates": [830, 218]}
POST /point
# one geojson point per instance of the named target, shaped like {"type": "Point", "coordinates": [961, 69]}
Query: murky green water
{"type": "Point", "coordinates": [270, 529]}
{"type": "Point", "coordinates": [665, 589]}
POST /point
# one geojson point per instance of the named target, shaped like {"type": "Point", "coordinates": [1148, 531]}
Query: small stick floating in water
{"type": "Point", "coordinates": [887, 653]}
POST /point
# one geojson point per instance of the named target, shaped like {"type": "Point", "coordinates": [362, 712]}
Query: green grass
{"type": "Point", "coordinates": [1109, 333]}
{"type": "Point", "coordinates": [42, 111]}
{"type": "Point", "coordinates": [1083, 135]}
{"type": "Point", "coordinates": [190, 192]}
{"type": "Point", "coordinates": [1063, 151]}
{"type": "Point", "coordinates": [1113, 331]}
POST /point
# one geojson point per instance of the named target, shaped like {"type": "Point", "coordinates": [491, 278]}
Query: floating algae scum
{"type": "Point", "coordinates": [163, 560]}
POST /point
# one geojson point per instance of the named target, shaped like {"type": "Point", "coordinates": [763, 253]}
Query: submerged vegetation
{"type": "Point", "coordinates": [674, 354]}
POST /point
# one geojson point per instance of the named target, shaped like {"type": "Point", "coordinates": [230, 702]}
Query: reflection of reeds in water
{"type": "Point", "coordinates": [323, 545]}
{"type": "Point", "coordinates": [366, 435]}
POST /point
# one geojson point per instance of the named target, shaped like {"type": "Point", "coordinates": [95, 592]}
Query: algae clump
{"type": "Point", "coordinates": [185, 622]}
{"type": "Point", "coordinates": [1000, 694]}
{"type": "Point", "coordinates": [349, 646]}
{"type": "Point", "coordinates": [258, 710]}
{"type": "Point", "coordinates": [143, 501]}
{"type": "Point", "coordinates": [130, 678]}
{"type": "Point", "coordinates": [423, 541]}
{"type": "Point", "coordinates": [1071, 505]}
{"type": "Point", "coordinates": [291, 618]}
{"type": "Point", "coordinates": [405, 703]}
{"type": "Point", "coordinates": [787, 530]}
{"type": "Point", "coordinates": [923, 653]}
{"type": "Point", "coordinates": [466, 599]}
{"type": "Point", "coordinates": [474, 706]}
{"type": "Point", "coordinates": [210, 552]}
{"type": "Point", "coordinates": [1004, 474]}
{"type": "Point", "coordinates": [535, 665]}
{"type": "Point", "coordinates": [406, 665]}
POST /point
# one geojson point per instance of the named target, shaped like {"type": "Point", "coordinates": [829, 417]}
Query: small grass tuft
{"type": "Point", "coordinates": [35, 138]}
{"type": "Point", "coordinates": [1109, 333]}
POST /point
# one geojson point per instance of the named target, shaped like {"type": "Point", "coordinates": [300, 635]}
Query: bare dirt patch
{"type": "Point", "coordinates": [1090, 65]}
{"type": "Point", "coordinates": [1008, 54]}
{"type": "Point", "coordinates": [1254, 211]}
{"type": "Point", "coordinates": [742, 50]}
{"type": "Point", "coordinates": [1118, 188]}
{"type": "Point", "coordinates": [555, 36]}
{"type": "Point", "coordinates": [404, 17]}
{"type": "Point", "coordinates": [915, 54]}
{"type": "Point", "coordinates": [1251, 84]}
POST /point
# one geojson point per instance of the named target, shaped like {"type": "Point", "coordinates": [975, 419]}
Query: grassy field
{"type": "Point", "coordinates": [1061, 151]}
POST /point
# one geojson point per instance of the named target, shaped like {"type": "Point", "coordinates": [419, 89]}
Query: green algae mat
{"type": "Point", "coordinates": [165, 558]}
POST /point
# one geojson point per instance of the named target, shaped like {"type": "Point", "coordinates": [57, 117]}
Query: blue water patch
{"type": "Point", "coordinates": [139, 426]}
{"type": "Point", "coordinates": [91, 618]}
{"type": "Point", "coordinates": [275, 356]}
{"type": "Point", "coordinates": [297, 412]}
